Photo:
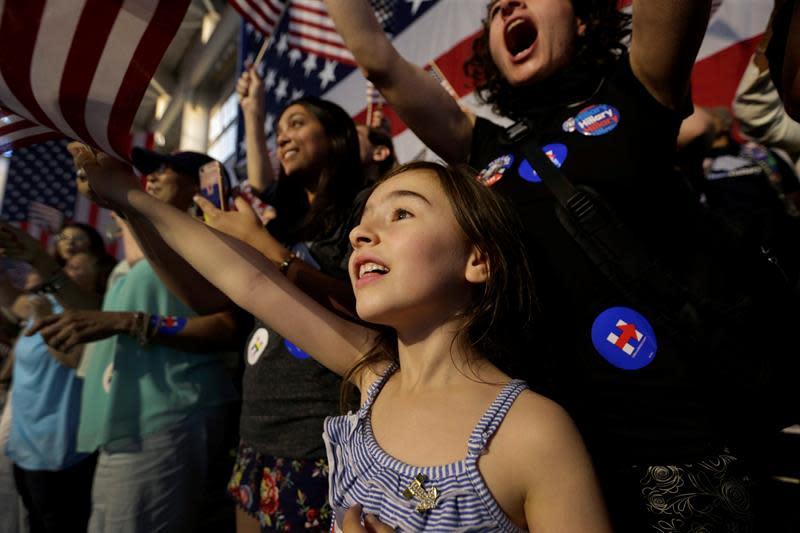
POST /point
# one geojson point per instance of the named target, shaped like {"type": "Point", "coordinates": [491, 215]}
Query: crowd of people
{"type": "Point", "coordinates": [560, 327]}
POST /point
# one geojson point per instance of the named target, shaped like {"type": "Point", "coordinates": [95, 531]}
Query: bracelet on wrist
{"type": "Point", "coordinates": [284, 266]}
{"type": "Point", "coordinates": [139, 328]}
{"type": "Point", "coordinates": [54, 283]}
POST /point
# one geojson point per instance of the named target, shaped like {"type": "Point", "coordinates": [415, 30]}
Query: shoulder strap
{"type": "Point", "coordinates": [493, 417]}
{"type": "Point", "coordinates": [375, 388]}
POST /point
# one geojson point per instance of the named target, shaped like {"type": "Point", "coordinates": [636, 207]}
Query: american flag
{"type": "Point", "coordinates": [303, 62]}
{"type": "Point", "coordinates": [263, 15]}
{"type": "Point", "coordinates": [40, 178]}
{"type": "Point", "coordinates": [312, 31]}
{"type": "Point", "coordinates": [79, 67]}
{"type": "Point", "coordinates": [46, 217]}
{"type": "Point", "coordinates": [442, 31]}
{"type": "Point", "coordinates": [375, 103]}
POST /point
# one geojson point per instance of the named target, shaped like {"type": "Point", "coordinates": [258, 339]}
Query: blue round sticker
{"type": "Point", "coordinates": [624, 338]}
{"type": "Point", "coordinates": [495, 170]}
{"type": "Point", "coordinates": [557, 154]}
{"type": "Point", "coordinates": [597, 120]}
{"type": "Point", "coordinates": [296, 352]}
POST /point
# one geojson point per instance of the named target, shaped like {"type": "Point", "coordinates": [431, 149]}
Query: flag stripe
{"type": "Point", "coordinates": [17, 41]}
{"type": "Point", "coordinates": [32, 135]}
{"type": "Point", "coordinates": [312, 30]}
{"type": "Point", "coordinates": [81, 67]}
{"type": "Point", "coordinates": [264, 15]}
{"type": "Point", "coordinates": [151, 48]}
{"type": "Point", "coordinates": [94, 24]}
{"type": "Point", "coordinates": [14, 123]}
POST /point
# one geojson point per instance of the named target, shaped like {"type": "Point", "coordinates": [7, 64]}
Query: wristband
{"type": "Point", "coordinates": [167, 325]}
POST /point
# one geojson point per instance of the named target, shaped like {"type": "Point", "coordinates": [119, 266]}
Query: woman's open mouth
{"type": "Point", "coordinates": [520, 37]}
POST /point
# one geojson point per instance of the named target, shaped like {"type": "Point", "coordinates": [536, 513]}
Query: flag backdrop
{"type": "Point", "coordinates": [40, 179]}
{"type": "Point", "coordinates": [441, 31]}
{"type": "Point", "coordinates": [79, 67]}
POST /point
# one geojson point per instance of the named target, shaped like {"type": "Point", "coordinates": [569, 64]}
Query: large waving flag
{"type": "Point", "coordinates": [438, 35]}
{"type": "Point", "coordinates": [79, 68]}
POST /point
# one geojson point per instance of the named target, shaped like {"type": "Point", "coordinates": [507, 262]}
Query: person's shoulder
{"type": "Point", "coordinates": [536, 423]}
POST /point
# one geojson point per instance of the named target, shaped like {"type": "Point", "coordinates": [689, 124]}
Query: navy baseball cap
{"type": "Point", "coordinates": [188, 163]}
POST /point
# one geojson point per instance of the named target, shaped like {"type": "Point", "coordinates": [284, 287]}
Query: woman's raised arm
{"type": "Point", "coordinates": [420, 101]}
{"type": "Point", "coordinates": [666, 38]}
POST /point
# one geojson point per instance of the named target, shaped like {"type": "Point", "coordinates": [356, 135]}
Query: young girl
{"type": "Point", "coordinates": [444, 440]}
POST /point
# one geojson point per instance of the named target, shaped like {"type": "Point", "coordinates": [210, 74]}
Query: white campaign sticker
{"type": "Point", "coordinates": [258, 343]}
{"type": "Point", "coordinates": [107, 373]}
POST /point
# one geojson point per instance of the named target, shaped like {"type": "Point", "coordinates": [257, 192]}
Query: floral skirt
{"type": "Point", "coordinates": [283, 494]}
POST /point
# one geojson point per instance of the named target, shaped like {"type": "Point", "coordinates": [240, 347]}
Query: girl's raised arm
{"type": "Point", "coordinates": [420, 101]}
{"type": "Point", "coordinates": [666, 38]}
{"type": "Point", "coordinates": [250, 91]}
{"type": "Point", "coordinates": [235, 268]}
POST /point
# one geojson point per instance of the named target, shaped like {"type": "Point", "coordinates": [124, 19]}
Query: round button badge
{"type": "Point", "coordinates": [557, 153]}
{"type": "Point", "coordinates": [257, 345]}
{"type": "Point", "coordinates": [597, 120]}
{"type": "Point", "coordinates": [296, 352]}
{"type": "Point", "coordinates": [495, 170]}
{"type": "Point", "coordinates": [107, 375]}
{"type": "Point", "coordinates": [624, 338]}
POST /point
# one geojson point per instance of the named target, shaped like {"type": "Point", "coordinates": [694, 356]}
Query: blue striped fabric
{"type": "Point", "coordinates": [361, 472]}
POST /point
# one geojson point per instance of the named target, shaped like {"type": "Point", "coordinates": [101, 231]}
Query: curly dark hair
{"type": "Point", "coordinates": [595, 50]}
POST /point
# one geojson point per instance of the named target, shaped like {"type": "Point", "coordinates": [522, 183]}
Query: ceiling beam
{"type": "Point", "coordinates": [195, 67]}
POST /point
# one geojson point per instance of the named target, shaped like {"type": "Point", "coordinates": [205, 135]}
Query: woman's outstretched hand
{"type": "Point", "coordinates": [109, 179]}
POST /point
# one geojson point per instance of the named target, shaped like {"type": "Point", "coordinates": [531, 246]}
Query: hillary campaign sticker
{"type": "Point", "coordinates": [624, 338]}
{"type": "Point", "coordinates": [169, 325]}
{"type": "Point", "coordinates": [557, 154]}
{"type": "Point", "coordinates": [597, 120]}
{"type": "Point", "coordinates": [296, 352]}
{"type": "Point", "coordinates": [257, 345]}
{"type": "Point", "coordinates": [495, 170]}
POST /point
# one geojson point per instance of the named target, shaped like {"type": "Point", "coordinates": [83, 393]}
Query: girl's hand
{"type": "Point", "coordinates": [109, 180]}
{"type": "Point", "coordinates": [352, 522]}
{"type": "Point", "coordinates": [250, 89]}
{"type": "Point", "coordinates": [240, 224]}
{"type": "Point", "coordinates": [18, 245]}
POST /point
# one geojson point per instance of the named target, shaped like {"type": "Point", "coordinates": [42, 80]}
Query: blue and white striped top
{"type": "Point", "coordinates": [361, 472]}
